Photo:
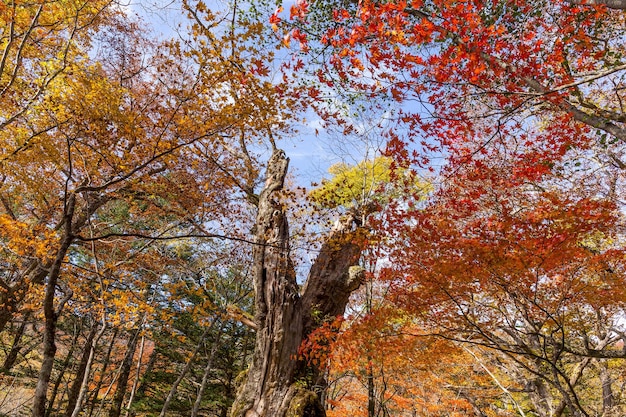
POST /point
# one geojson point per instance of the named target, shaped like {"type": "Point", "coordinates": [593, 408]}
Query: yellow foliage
{"type": "Point", "coordinates": [368, 181]}
{"type": "Point", "coordinates": [20, 240]}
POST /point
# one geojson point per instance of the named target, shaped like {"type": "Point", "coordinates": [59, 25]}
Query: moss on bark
{"type": "Point", "coordinates": [305, 403]}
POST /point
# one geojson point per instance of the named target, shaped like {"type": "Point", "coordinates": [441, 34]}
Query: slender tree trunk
{"type": "Point", "coordinates": [83, 369]}
{"type": "Point", "coordinates": [103, 369]}
{"type": "Point", "coordinates": [183, 373]}
{"type": "Point", "coordinates": [371, 393]}
{"type": "Point", "coordinates": [49, 350]}
{"type": "Point", "coordinates": [133, 390]}
{"type": "Point", "coordinates": [11, 357]}
{"type": "Point", "coordinates": [144, 383]}
{"type": "Point", "coordinates": [64, 366]}
{"type": "Point", "coordinates": [51, 316]}
{"type": "Point", "coordinates": [207, 372]}
{"type": "Point", "coordinates": [233, 365]}
{"type": "Point", "coordinates": [284, 316]}
{"type": "Point", "coordinates": [608, 400]}
{"type": "Point", "coordinates": [122, 382]}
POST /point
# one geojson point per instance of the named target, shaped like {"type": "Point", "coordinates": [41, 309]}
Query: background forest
{"type": "Point", "coordinates": [464, 256]}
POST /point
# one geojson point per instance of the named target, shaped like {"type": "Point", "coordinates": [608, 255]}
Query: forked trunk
{"type": "Point", "coordinates": [277, 384]}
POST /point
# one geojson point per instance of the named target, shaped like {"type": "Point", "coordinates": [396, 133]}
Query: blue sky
{"type": "Point", "coordinates": [313, 150]}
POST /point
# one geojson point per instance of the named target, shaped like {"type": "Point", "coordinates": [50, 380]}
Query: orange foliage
{"type": "Point", "coordinates": [471, 76]}
{"type": "Point", "coordinates": [408, 371]}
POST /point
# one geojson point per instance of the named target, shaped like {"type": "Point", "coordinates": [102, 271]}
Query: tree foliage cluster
{"type": "Point", "coordinates": [516, 258]}
{"type": "Point", "coordinates": [147, 265]}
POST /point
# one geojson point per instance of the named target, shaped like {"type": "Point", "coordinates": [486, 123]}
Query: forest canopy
{"type": "Point", "coordinates": [161, 255]}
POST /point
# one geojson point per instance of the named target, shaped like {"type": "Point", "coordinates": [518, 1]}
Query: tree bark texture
{"type": "Point", "coordinates": [276, 384]}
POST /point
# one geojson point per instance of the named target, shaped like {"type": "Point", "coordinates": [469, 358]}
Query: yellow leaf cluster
{"type": "Point", "coordinates": [375, 180]}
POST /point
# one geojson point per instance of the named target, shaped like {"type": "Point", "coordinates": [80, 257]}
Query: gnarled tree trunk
{"type": "Point", "coordinates": [276, 384]}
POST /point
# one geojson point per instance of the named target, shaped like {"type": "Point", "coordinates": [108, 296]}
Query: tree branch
{"type": "Point", "coordinates": [611, 4]}
{"type": "Point", "coordinates": [536, 86]}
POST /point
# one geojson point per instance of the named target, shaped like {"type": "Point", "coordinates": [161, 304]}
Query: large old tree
{"type": "Point", "coordinates": [110, 142]}
{"type": "Point", "coordinates": [278, 384]}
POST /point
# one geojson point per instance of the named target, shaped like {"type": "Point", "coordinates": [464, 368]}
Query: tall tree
{"type": "Point", "coordinates": [530, 269]}
{"type": "Point", "coordinates": [473, 76]}
{"type": "Point", "coordinates": [525, 101]}
{"type": "Point", "coordinates": [131, 135]}
{"type": "Point", "coordinates": [284, 315]}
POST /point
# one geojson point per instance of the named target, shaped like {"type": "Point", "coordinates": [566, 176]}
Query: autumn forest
{"type": "Point", "coordinates": [461, 250]}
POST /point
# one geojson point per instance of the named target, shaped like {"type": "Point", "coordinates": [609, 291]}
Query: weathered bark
{"type": "Point", "coordinates": [275, 380]}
